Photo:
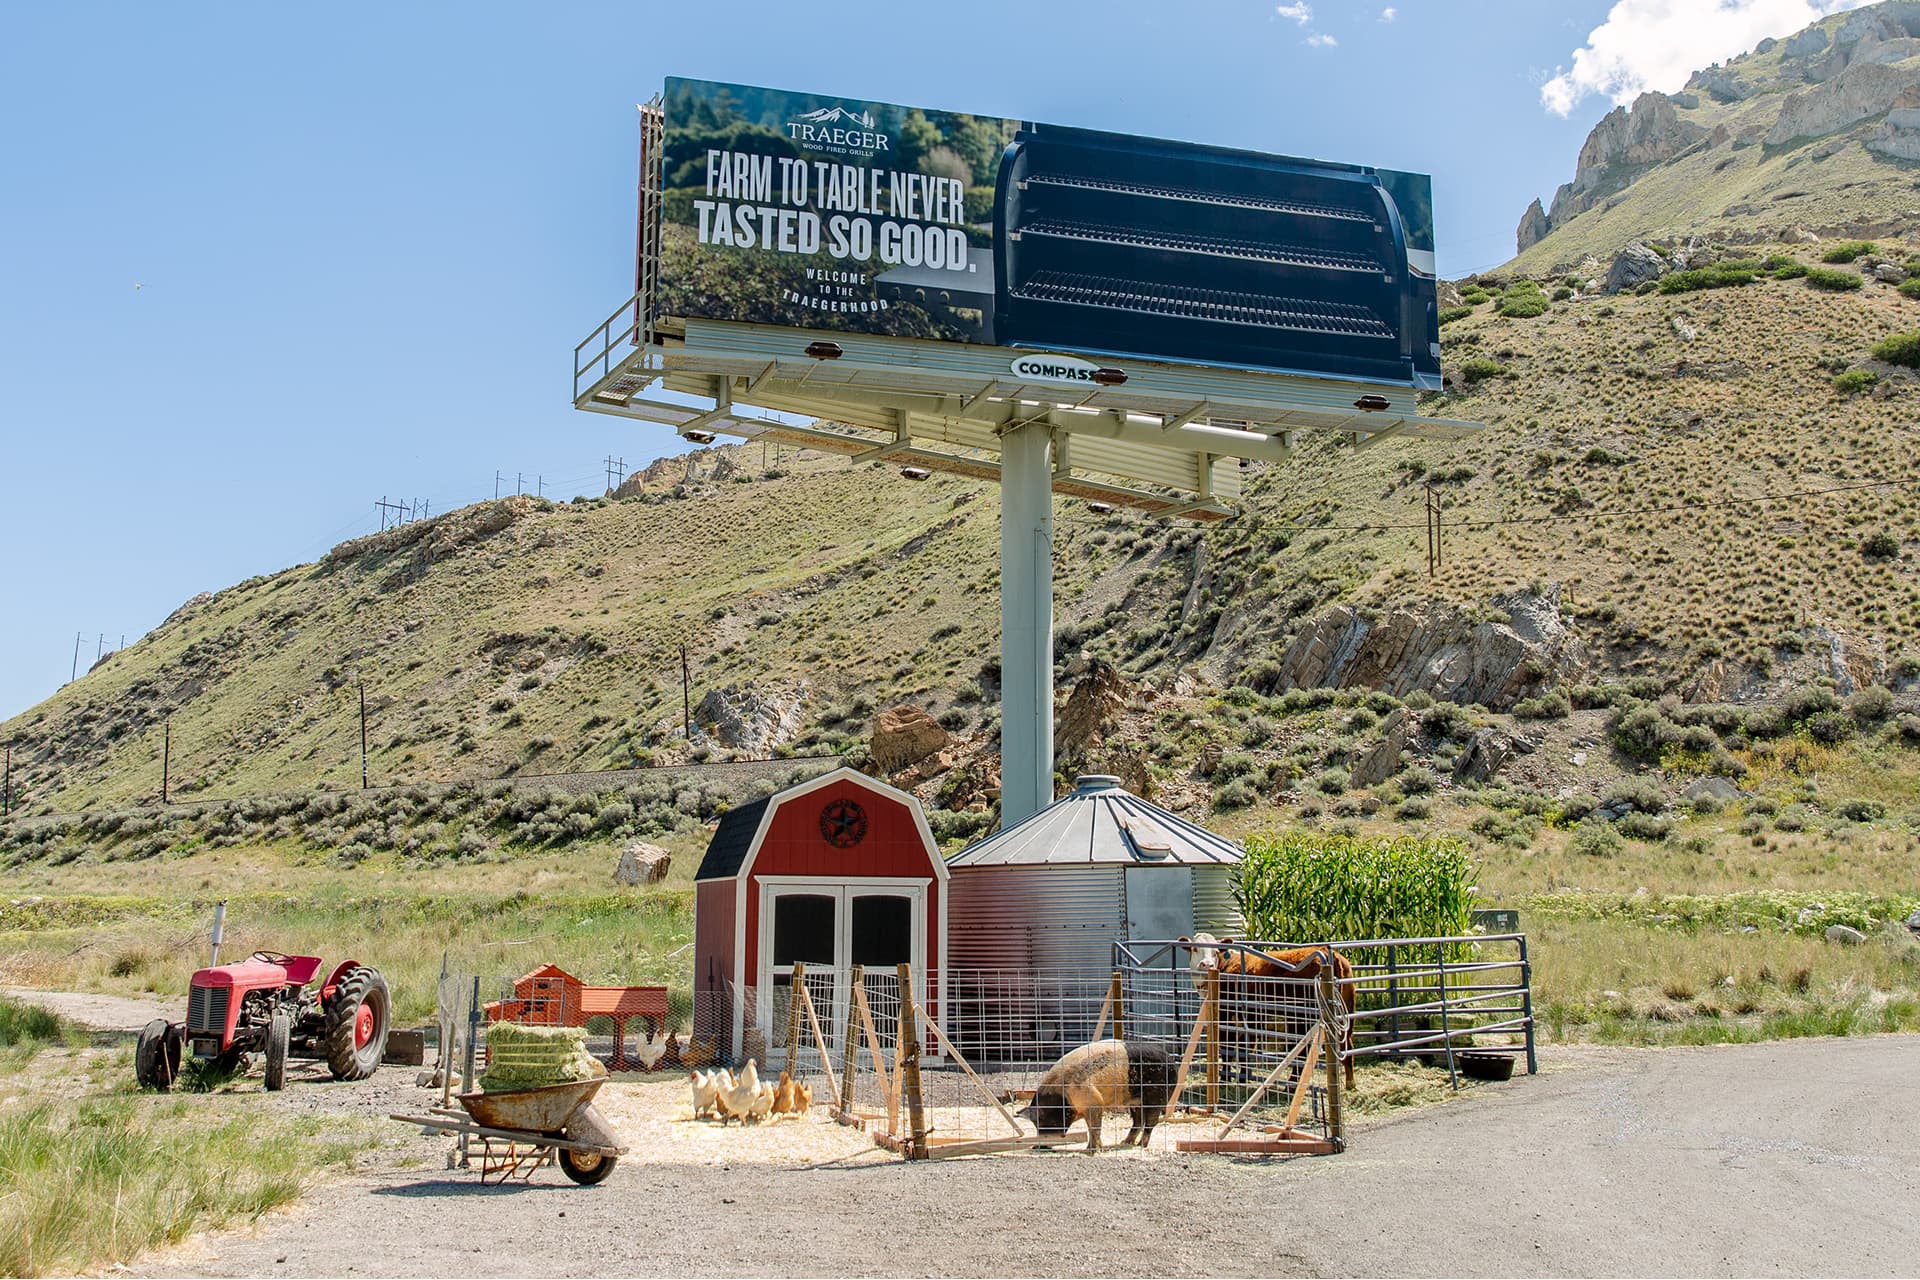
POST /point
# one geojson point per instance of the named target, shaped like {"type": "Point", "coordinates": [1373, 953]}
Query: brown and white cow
{"type": "Point", "coordinates": [1291, 976]}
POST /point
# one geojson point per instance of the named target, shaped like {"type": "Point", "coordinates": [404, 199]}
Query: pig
{"type": "Point", "coordinates": [1107, 1075]}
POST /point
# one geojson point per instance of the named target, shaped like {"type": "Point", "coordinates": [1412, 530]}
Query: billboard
{"type": "Point", "coordinates": [822, 213]}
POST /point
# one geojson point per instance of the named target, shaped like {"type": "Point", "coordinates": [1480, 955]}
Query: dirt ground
{"type": "Point", "coordinates": [1794, 1158]}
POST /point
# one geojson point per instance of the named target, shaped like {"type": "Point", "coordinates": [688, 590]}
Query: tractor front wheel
{"type": "Point", "coordinates": [357, 1020]}
{"type": "Point", "coordinates": [279, 1036]}
{"type": "Point", "coordinates": [156, 1056]}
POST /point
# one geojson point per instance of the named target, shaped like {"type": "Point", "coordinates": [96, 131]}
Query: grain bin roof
{"type": "Point", "coordinates": [1100, 822]}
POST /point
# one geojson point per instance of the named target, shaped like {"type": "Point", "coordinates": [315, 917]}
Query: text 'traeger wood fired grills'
{"type": "Point", "coordinates": [1109, 243]}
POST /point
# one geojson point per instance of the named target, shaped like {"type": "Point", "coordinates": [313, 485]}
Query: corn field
{"type": "Point", "coordinates": [1305, 887]}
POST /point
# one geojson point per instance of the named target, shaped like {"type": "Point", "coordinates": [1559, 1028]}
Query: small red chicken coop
{"type": "Point", "coordinates": [835, 872]}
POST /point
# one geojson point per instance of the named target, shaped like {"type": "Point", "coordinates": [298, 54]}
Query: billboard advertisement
{"type": "Point", "coordinates": [867, 217]}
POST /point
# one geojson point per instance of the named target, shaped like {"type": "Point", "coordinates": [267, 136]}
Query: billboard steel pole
{"type": "Point", "coordinates": [1026, 622]}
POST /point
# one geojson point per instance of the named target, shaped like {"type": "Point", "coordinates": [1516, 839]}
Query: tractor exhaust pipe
{"type": "Point", "coordinates": [219, 929]}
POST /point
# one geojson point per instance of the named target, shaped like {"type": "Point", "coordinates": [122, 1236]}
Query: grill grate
{"type": "Point", "coordinates": [207, 1008]}
{"type": "Point", "coordinates": [1213, 246]}
{"type": "Point", "coordinates": [1188, 303]}
{"type": "Point", "coordinates": [1214, 199]}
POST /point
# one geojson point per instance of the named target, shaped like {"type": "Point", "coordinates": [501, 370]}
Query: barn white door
{"type": "Point", "coordinates": [878, 923]}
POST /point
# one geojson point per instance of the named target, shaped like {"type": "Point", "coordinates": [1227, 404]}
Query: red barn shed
{"type": "Point", "coordinates": [838, 871]}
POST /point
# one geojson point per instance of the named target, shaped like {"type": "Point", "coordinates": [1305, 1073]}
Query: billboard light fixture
{"type": "Point", "coordinates": [915, 473]}
{"type": "Point", "coordinates": [1100, 508]}
{"type": "Point", "coordinates": [1109, 377]}
{"type": "Point", "coordinates": [699, 437]}
{"type": "Point", "coordinates": [1372, 404]}
{"type": "Point", "coordinates": [824, 350]}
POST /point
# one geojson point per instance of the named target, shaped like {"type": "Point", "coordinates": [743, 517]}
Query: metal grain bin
{"type": "Point", "coordinates": [1034, 910]}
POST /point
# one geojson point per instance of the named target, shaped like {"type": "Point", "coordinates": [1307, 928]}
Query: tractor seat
{"type": "Point", "coordinates": [300, 969]}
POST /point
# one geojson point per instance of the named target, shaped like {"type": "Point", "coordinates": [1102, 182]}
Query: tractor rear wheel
{"type": "Point", "coordinates": [279, 1036]}
{"type": "Point", "coordinates": [156, 1056]}
{"type": "Point", "coordinates": [584, 1168]}
{"type": "Point", "coordinates": [357, 1020]}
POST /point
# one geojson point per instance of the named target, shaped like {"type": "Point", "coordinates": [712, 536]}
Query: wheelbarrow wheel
{"type": "Point", "coordinates": [584, 1168]}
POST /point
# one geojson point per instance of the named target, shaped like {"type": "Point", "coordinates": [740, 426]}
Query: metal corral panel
{"type": "Point", "coordinates": [1214, 910]}
{"type": "Point", "coordinates": [1036, 918]}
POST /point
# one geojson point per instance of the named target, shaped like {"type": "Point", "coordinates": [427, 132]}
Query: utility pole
{"type": "Point", "coordinates": [539, 486]}
{"type": "Point", "coordinates": [166, 757]}
{"type": "Point", "coordinates": [1433, 532]}
{"type": "Point", "coordinates": [99, 647]}
{"type": "Point", "coordinates": [496, 486]}
{"type": "Point", "coordinates": [519, 484]}
{"type": "Point", "coordinates": [686, 697]}
{"type": "Point", "coordinates": [76, 659]}
{"type": "Point", "coordinates": [617, 471]}
{"type": "Point", "coordinates": [363, 736]}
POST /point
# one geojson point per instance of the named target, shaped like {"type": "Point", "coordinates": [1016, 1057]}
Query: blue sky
{"type": "Point", "coordinates": [366, 237]}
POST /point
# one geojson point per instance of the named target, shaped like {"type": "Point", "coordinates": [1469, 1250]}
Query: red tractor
{"type": "Point", "coordinates": [265, 1004]}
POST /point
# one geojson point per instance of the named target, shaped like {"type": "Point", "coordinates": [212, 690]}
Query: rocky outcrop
{"type": "Point", "coordinates": [1377, 763]}
{"type": "Point", "coordinates": [1625, 141]}
{"type": "Point", "coordinates": [1898, 136]}
{"type": "Point", "coordinates": [1853, 96]}
{"type": "Point", "coordinates": [1633, 266]}
{"type": "Point", "coordinates": [1533, 227]}
{"type": "Point", "coordinates": [750, 717]}
{"type": "Point", "coordinates": [903, 736]}
{"type": "Point", "coordinates": [1091, 710]}
{"type": "Point", "coordinates": [1439, 649]}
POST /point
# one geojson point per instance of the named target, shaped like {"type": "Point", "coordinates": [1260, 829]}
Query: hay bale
{"type": "Point", "coordinates": [528, 1057]}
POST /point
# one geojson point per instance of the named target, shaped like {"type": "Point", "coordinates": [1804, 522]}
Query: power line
{"type": "Point", "coordinates": [1598, 514]}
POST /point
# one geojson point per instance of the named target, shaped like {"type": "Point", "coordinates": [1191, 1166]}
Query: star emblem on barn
{"type": "Point", "coordinates": [843, 824]}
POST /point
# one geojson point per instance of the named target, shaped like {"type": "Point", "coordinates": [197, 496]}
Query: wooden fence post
{"type": "Point", "coordinates": [1330, 1021]}
{"type": "Point", "coordinates": [1210, 1013]}
{"type": "Point", "coordinates": [850, 1041]}
{"type": "Point", "coordinates": [1118, 996]}
{"type": "Point", "coordinates": [794, 1013]}
{"type": "Point", "coordinates": [907, 1051]}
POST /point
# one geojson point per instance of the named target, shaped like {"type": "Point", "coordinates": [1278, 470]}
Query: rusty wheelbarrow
{"type": "Point", "coordinates": [521, 1129]}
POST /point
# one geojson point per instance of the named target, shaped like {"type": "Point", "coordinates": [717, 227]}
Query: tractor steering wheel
{"type": "Point", "coordinates": [271, 957]}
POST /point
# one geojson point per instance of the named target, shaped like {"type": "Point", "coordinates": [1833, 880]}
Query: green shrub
{"type": "Point", "coordinates": [1562, 294]}
{"type": "Point", "coordinates": [1596, 838]}
{"type": "Point", "coordinates": [1237, 794]}
{"type": "Point", "coordinates": [1830, 727]}
{"type": "Point", "coordinates": [1910, 287]}
{"type": "Point", "coordinates": [1871, 705]}
{"type": "Point", "coordinates": [1854, 381]}
{"type": "Point", "coordinates": [1900, 348]}
{"type": "Point", "coordinates": [1522, 305]}
{"type": "Point", "coordinates": [1651, 827]}
{"type": "Point", "coordinates": [1480, 368]}
{"type": "Point", "coordinates": [1413, 808]}
{"type": "Point", "coordinates": [1846, 250]}
{"type": "Point", "coordinates": [1718, 276]}
{"type": "Point", "coordinates": [1551, 705]}
{"type": "Point", "coordinates": [1305, 887]}
{"type": "Point", "coordinates": [1862, 810]}
{"type": "Point", "coordinates": [1449, 314]}
{"type": "Point", "coordinates": [1838, 281]}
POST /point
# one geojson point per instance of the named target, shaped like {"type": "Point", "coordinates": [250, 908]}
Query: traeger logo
{"type": "Point", "coordinates": [1047, 368]}
{"type": "Point", "coordinates": [837, 129]}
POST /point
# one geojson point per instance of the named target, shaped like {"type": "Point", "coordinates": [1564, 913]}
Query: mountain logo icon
{"type": "Point", "coordinates": [836, 115]}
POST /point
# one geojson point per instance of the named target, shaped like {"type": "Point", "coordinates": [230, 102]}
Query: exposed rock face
{"type": "Point", "coordinates": [1382, 760]}
{"type": "Point", "coordinates": [1486, 751]}
{"type": "Point", "coordinates": [1854, 95]}
{"type": "Point", "coordinates": [904, 736]}
{"type": "Point", "coordinates": [1806, 43]}
{"type": "Point", "coordinates": [1441, 650]}
{"type": "Point", "coordinates": [1625, 139]}
{"type": "Point", "coordinates": [643, 863]}
{"type": "Point", "coordinates": [1633, 266]}
{"type": "Point", "coordinates": [1898, 136]}
{"type": "Point", "coordinates": [749, 717]}
{"type": "Point", "coordinates": [1093, 706]}
{"type": "Point", "coordinates": [1533, 227]}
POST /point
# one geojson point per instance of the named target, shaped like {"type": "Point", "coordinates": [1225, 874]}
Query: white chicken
{"type": "Point", "coordinates": [706, 1092]}
{"type": "Point", "coordinates": [746, 1098]}
{"type": "Point", "coordinates": [652, 1052]}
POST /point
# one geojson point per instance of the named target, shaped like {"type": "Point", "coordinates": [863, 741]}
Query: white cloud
{"type": "Point", "coordinates": [1389, 13]}
{"type": "Point", "coordinates": [1300, 12]}
{"type": "Point", "coordinates": [1321, 40]}
{"type": "Point", "coordinates": [1657, 44]}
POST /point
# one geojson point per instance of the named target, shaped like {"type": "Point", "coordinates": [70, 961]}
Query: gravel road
{"type": "Point", "coordinates": [102, 1012]}
{"type": "Point", "coordinates": [1797, 1158]}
